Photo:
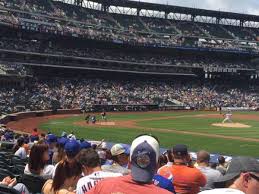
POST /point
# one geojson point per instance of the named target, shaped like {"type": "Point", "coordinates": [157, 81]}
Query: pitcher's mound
{"type": "Point", "coordinates": [106, 123]}
{"type": "Point", "coordinates": [231, 125]}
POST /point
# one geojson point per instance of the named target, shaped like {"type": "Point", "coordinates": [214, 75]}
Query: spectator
{"type": "Point", "coordinates": [59, 154]}
{"type": "Point", "coordinates": [144, 155]}
{"type": "Point", "coordinates": [93, 173]}
{"type": "Point", "coordinates": [72, 148]}
{"type": "Point", "coordinates": [203, 159]}
{"type": "Point", "coordinates": [35, 132]}
{"type": "Point", "coordinates": [65, 179]}
{"type": "Point", "coordinates": [120, 157]}
{"type": "Point", "coordinates": [8, 181]}
{"type": "Point", "coordinates": [222, 165]}
{"type": "Point", "coordinates": [85, 144]}
{"type": "Point", "coordinates": [242, 177]}
{"type": "Point", "coordinates": [21, 151]}
{"type": "Point", "coordinates": [186, 179]}
{"type": "Point", "coordinates": [38, 162]}
{"type": "Point", "coordinates": [52, 142]}
{"type": "Point", "coordinates": [166, 168]}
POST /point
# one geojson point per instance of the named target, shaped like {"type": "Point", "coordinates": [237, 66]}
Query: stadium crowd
{"type": "Point", "coordinates": [67, 165]}
{"type": "Point", "coordinates": [57, 18]}
{"type": "Point", "coordinates": [76, 93]}
{"type": "Point", "coordinates": [107, 54]}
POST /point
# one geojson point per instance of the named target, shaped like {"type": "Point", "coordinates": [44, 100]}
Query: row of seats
{"type": "Point", "coordinates": [13, 167]}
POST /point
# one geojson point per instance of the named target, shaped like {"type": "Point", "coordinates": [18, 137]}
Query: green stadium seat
{"type": "Point", "coordinates": [34, 183]}
{"type": "Point", "coordinates": [7, 190]}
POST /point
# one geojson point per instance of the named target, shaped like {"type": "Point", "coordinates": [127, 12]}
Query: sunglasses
{"type": "Point", "coordinates": [254, 176]}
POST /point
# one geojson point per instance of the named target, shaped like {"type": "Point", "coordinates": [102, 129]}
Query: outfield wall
{"type": "Point", "coordinates": [23, 115]}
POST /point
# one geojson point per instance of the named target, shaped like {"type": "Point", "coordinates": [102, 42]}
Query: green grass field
{"type": "Point", "coordinates": [183, 122]}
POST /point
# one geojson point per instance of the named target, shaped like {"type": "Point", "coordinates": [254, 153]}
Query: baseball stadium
{"type": "Point", "coordinates": [107, 71]}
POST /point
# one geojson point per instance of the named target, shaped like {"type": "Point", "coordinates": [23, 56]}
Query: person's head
{"type": "Point", "coordinates": [66, 175]}
{"type": "Point", "coordinates": [20, 143]}
{"type": "Point", "coordinates": [60, 148]}
{"type": "Point", "coordinates": [35, 130]}
{"type": "Point", "coordinates": [180, 154]}
{"type": "Point", "coordinates": [38, 158]}
{"type": "Point", "coordinates": [89, 159]}
{"type": "Point", "coordinates": [43, 135]}
{"type": "Point", "coordinates": [242, 174]}
{"type": "Point", "coordinates": [221, 160]}
{"type": "Point", "coordinates": [203, 158]}
{"type": "Point", "coordinates": [120, 154]}
{"type": "Point", "coordinates": [162, 160]}
{"type": "Point", "coordinates": [52, 140]}
{"type": "Point", "coordinates": [144, 155]}
{"type": "Point", "coordinates": [72, 148]}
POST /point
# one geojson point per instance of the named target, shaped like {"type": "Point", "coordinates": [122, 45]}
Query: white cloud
{"type": "Point", "coordinates": [239, 6]}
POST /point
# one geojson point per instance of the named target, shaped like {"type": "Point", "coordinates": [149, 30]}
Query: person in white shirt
{"type": "Point", "coordinates": [203, 159]}
{"type": "Point", "coordinates": [38, 162]}
{"type": "Point", "coordinates": [242, 177]}
{"type": "Point", "coordinates": [20, 151]}
{"type": "Point", "coordinates": [120, 157]}
{"type": "Point", "coordinates": [92, 171]}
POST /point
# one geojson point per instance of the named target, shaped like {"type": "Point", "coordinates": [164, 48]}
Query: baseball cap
{"type": "Point", "coordinates": [51, 138]}
{"type": "Point", "coordinates": [72, 147]}
{"type": "Point", "coordinates": [237, 166]}
{"type": "Point", "coordinates": [118, 149]}
{"type": "Point", "coordinates": [62, 140]}
{"type": "Point", "coordinates": [64, 134]}
{"type": "Point", "coordinates": [180, 150]}
{"type": "Point", "coordinates": [85, 145]}
{"type": "Point", "coordinates": [144, 155]}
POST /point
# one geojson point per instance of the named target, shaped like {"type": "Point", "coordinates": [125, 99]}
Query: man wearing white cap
{"type": "Point", "coordinates": [144, 155]}
{"type": "Point", "coordinates": [120, 157]}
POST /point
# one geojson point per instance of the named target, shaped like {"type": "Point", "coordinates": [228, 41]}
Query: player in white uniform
{"type": "Point", "coordinates": [228, 117]}
{"type": "Point", "coordinates": [92, 170]}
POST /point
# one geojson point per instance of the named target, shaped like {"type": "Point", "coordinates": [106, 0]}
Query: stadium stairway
{"type": "Point", "coordinates": [144, 24]}
{"type": "Point", "coordinates": [225, 30]}
{"type": "Point", "coordinates": [174, 27]}
{"type": "Point", "coordinates": [202, 30]}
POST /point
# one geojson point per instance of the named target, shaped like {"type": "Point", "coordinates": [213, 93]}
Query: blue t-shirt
{"type": "Point", "coordinates": [164, 183]}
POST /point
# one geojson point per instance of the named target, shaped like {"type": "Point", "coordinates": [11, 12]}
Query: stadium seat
{"type": "Point", "coordinates": [34, 183]}
{"type": "Point", "coordinates": [18, 169]}
{"type": "Point", "coordinates": [5, 172]}
{"type": "Point", "coordinates": [5, 165]}
{"type": "Point", "coordinates": [16, 160]}
{"type": "Point", "coordinates": [7, 190]}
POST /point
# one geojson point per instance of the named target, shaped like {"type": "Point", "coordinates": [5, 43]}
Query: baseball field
{"type": "Point", "coordinates": [198, 130]}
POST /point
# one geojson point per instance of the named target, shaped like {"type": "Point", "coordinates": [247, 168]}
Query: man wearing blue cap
{"type": "Point", "coordinates": [72, 148]}
{"type": "Point", "coordinates": [59, 151]}
{"type": "Point", "coordinates": [144, 155]}
{"type": "Point", "coordinates": [52, 141]}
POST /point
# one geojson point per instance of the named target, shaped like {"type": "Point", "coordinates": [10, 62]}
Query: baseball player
{"type": "Point", "coordinates": [103, 114]}
{"type": "Point", "coordinates": [87, 118]}
{"type": "Point", "coordinates": [228, 117]}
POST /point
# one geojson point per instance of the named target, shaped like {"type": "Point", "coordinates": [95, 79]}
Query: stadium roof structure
{"type": "Point", "coordinates": [178, 9]}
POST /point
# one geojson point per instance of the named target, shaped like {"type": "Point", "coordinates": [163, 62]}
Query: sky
{"type": "Point", "coordinates": [238, 6]}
